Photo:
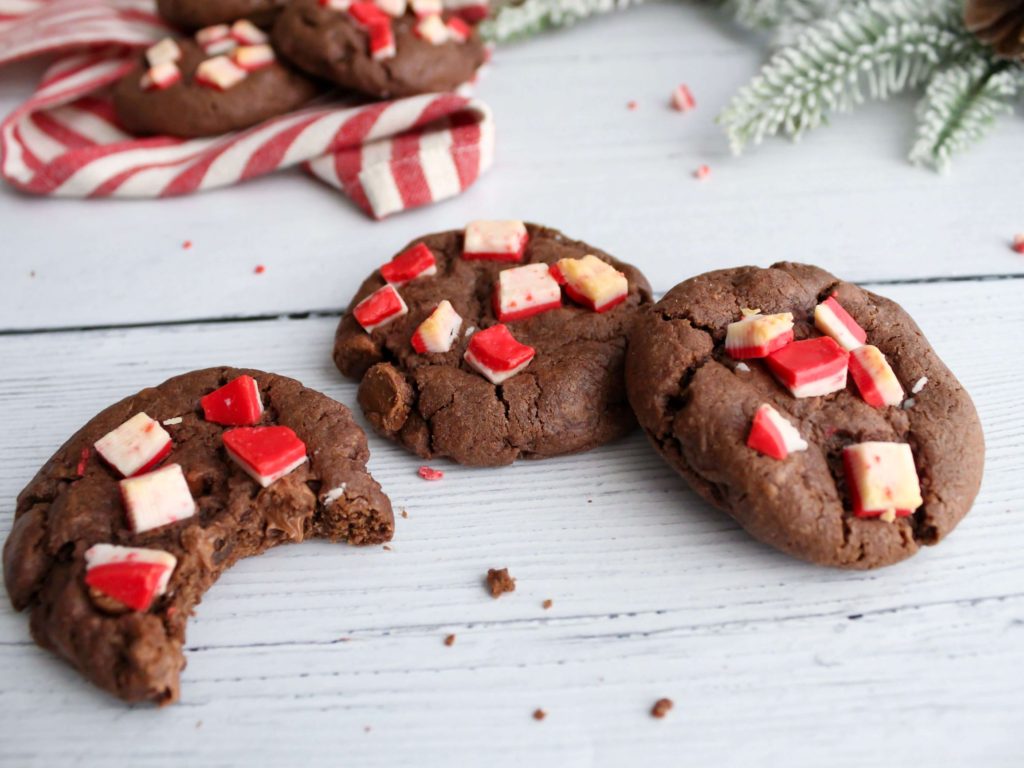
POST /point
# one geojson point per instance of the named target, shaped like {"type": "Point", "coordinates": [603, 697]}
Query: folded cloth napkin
{"type": "Point", "coordinates": [65, 140]}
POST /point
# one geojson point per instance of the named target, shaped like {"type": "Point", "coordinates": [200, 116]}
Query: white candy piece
{"type": "Point", "coordinates": [253, 57]}
{"type": "Point", "coordinates": [165, 52]}
{"type": "Point", "coordinates": [336, 5]}
{"type": "Point", "coordinates": [219, 47]}
{"type": "Point", "coordinates": [334, 494]}
{"type": "Point", "coordinates": [160, 76]}
{"type": "Point", "coordinates": [247, 33]}
{"type": "Point", "coordinates": [432, 29]}
{"type": "Point", "coordinates": [105, 554]}
{"type": "Point", "coordinates": [172, 421]}
{"type": "Point", "coordinates": [882, 478]}
{"type": "Point", "coordinates": [525, 291]}
{"type": "Point", "coordinates": [424, 8]}
{"type": "Point", "coordinates": [494, 238]}
{"type": "Point", "coordinates": [393, 8]}
{"type": "Point", "coordinates": [438, 332]}
{"type": "Point", "coordinates": [208, 35]}
{"type": "Point", "coordinates": [134, 446]}
{"type": "Point", "coordinates": [157, 498]}
{"type": "Point", "coordinates": [919, 385]}
{"type": "Point", "coordinates": [220, 73]}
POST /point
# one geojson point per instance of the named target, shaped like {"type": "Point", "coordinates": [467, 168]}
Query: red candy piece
{"type": "Point", "coordinates": [368, 14]}
{"type": "Point", "coordinates": [133, 584]}
{"type": "Point", "coordinates": [682, 99]}
{"type": "Point", "coordinates": [1018, 243]}
{"type": "Point", "coordinates": [411, 263]}
{"type": "Point", "coordinates": [525, 291]}
{"type": "Point", "coordinates": [379, 308]}
{"type": "Point", "coordinates": [431, 474]}
{"type": "Point", "coordinates": [773, 435]}
{"type": "Point", "coordinates": [458, 30]}
{"type": "Point", "coordinates": [810, 368]}
{"type": "Point", "coordinates": [236, 404]}
{"type": "Point", "coordinates": [382, 40]}
{"type": "Point", "coordinates": [497, 355]}
{"type": "Point", "coordinates": [265, 453]}
{"type": "Point", "coordinates": [833, 320]}
{"type": "Point", "coordinates": [83, 460]}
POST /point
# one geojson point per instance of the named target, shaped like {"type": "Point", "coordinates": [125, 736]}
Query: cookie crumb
{"type": "Point", "coordinates": [661, 708]}
{"type": "Point", "coordinates": [405, 513]}
{"type": "Point", "coordinates": [499, 582]}
{"type": "Point", "coordinates": [1018, 242]}
{"type": "Point", "coordinates": [260, 269]}
{"type": "Point", "coordinates": [702, 173]}
{"type": "Point", "coordinates": [539, 714]}
{"type": "Point", "coordinates": [450, 640]}
{"type": "Point", "coordinates": [387, 548]}
{"type": "Point", "coordinates": [199, 723]}
{"type": "Point", "coordinates": [367, 729]}
{"type": "Point", "coordinates": [428, 473]}
{"type": "Point", "coordinates": [547, 603]}
{"type": "Point", "coordinates": [32, 273]}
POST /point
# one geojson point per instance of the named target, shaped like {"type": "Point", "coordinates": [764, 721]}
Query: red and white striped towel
{"type": "Point", "coordinates": [65, 141]}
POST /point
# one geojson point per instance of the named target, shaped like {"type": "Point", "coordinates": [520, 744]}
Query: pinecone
{"type": "Point", "coordinates": [999, 23]}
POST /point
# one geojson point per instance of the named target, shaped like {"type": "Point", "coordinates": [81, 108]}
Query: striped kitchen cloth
{"type": "Point", "coordinates": [386, 156]}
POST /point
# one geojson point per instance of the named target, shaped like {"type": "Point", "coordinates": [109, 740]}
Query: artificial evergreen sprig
{"type": "Point", "coordinates": [512, 21]}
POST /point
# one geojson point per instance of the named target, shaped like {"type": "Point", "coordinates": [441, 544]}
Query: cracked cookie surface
{"type": "Point", "coordinates": [74, 502]}
{"type": "Point", "coordinates": [696, 405]}
{"type": "Point", "coordinates": [570, 398]}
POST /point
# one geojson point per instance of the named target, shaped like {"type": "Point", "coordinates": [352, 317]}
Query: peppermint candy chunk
{"type": "Point", "coordinates": [758, 335]}
{"type": "Point", "coordinates": [380, 308]}
{"type": "Point", "coordinates": [236, 404]}
{"type": "Point", "coordinates": [810, 368]}
{"type": "Point", "coordinates": [591, 282]}
{"type": "Point", "coordinates": [253, 57]}
{"type": "Point", "coordinates": [773, 435]}
{"type": "Point", "coordinates": [682, 99]}
{"type": "Point", "coordinates": [167, 51]}
{"type": "Point", "coordinates": [497, 355]}
{"type": "Point", "coordinates": [134, 576]}
{"type": "Point", "coordinates": [393, 8]}
{"type": "Point", "coordinates": [136, 446]}
{"type": "Point", "coordinates": [266, 454]}
{"type": "Point", "coordinates": [432, 29]}
{"type": "Point", "coordinates": [423, 8]}
{"type": "Point", "coordinates": [525, 291]}
{"type": "Point", "coordinates": [367, 14]}
{"type": "Point", "coordinates": [157, 498]}
{"type": "Point", "coordinates": [874, 377]}
{"type": "Point", "coordinates": [438, 332]}
{"type": "Point", "coordinates": [458, 30]}
{"type": "Point", "coordinates": [244, 32]}
{"type": "Point", "coordinates": [220, 73]}
{"type": "Point", "coordinates": [216, 39]}
{"type": "Point", "coordinates": [336, 5]}
{"type": "Point", "coordinates": [160, 77]}
{"type": "Point", "coordinates": [472, 11]}
{"type": "Point", "coordinates": [882, 479]}
{"type": "Point", "coordinates": [832, 319]}
{"type": "Point", "coordinates": [414, 262]}
{"type": "Point", "coordinates": [382, 41]}
{"type": "Point", "coordinates": [495, 241]}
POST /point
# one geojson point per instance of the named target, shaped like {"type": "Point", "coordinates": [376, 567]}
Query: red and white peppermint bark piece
{"type": "Point", "coordinates": [472, 11]}
{"type": "Point", "coordinates": [495, 241]}
{"type": "Point", "coordinates": [136, 446]}
{"type": "Point", "coordinates": [882, 480]}
{"type": "Point", "coordinates": [874, 377]}
{"type": "Point", "coordinates": [245, 32]}
{"type": "Point", "coordinates": [220, 73]}
{"type": "Point", "coordinates": [393, 8]}
{"type": "Point", "coordinates": [758, 335]}
{"type": "Point", "coordinates": [134, 576]}
{"type": "Point", "coordinates": [525, 291]}
{"type": "Point", "coordinates": [833, 320]}
{"type": "Point", "coordinates": [432, 29]}
{"type": "Point", "coordinates": [216, 39]}
{"type": "Point", "coordinates": [438, 332]}
{"type": "Point", "coordinates": [591, 282]}
{"type": "Point", "coordinates": [266, 454]}
{"type": "Point", "coordinates": [773, 435]}
{"type": "Point", "coordinates": [336, 5]}
{"type": "Point", "coordinates": [253, 57]}
{"type": "Point", "coordinates": [414, 262]}
{"type": "Point", "coordinates": [1018, 243]}
{"type": "Point", "coordinates": [157, 498]}
{"type": "Point", "coordinates": [422, 8]}
{"type": "Point", "coordinates": [810, 368]}
{"type": "Point", "coordinates": [682, 99]}
{"type": "Point", "coordinates": [379, 308]}
{"type": "Point", "coordinates": [497, 355]}
{"type": "Point", "coordinates": [167, 51]}
{"type": "Point", "coordinates": [382, 41]}
{"type": "Point", "coordinates": [458, 30]}
{"type": "Point", "coordinates": [160, 76]}
{"type": "Point", "coordinates": [236, 404]}
{"type": "Point", "coordinates": [367, 14]}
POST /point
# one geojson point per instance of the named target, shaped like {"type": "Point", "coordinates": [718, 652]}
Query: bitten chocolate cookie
{"type": "Point", "coordinates": [122, 531]}
{"type": "Point", "coordinates": [194, 14]}
{"type": "Point", "coordinates": [386, 50]}
{"type": "Point", "coordinates": [812, 411]}
{"type": "Point", "coordinates": [227, 79]}
{"type": "Point", "coordinates": [467, 348]}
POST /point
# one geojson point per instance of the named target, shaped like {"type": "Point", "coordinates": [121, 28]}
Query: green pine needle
{"type": "Point", "coordinates": [513, 21]}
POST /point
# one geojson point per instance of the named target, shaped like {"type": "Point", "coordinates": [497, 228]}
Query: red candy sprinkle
{"type": "Point", "coordinates": [82, 461]}
{"type": "Point", "coordinates": [702, 173]}
{"type": "Point", "coordinates": [430, 474]}
{"type": "Point", "coordinates": [1018, 243]}
{"type": "Point", "coordinates": [260, 269]}
{"type": "Point", "coordinates": [631, 105]}
{"type": "Point", "coordinates": [186, 245]}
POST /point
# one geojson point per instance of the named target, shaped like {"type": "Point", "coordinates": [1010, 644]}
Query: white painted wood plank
{"type": "Point", "coordinates": [295, 653]}
{"type": "Point", "coordinates": [569, 154]}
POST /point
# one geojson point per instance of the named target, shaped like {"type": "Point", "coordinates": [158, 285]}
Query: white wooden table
{"type": "Point", "coordinates": [330, 655]}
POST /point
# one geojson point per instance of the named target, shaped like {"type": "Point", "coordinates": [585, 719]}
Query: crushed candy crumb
{"type": "Point", "coordinates": [919, 385]}
{"type": "Point", "coordinates": [82, 460]}
{"type": "Point", "coordinates": [743, 367]}
{"type": "Point", "coordinates": [702, 173]}
{"type": "Point", "coordinates": [631, 105]}
{"type": "Point", "coordinates": [172, 421]}
{"type": "Point", "coordinates": [908, 404]}
{"type": "Point", "coordinates": [428, 473]}
{"type": "Point", "coordinates": [260, 269]}
{"type": "Point", "coordinates": [186, 245]}
{"type": "Point", "coordinates": [334, 494]}
{"type": "Point", "coordinates": [1018, 242]}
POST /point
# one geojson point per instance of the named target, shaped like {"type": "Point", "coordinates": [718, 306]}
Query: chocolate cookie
{"type": "Point", "coordinates": [364, 49]}
{"type": "Point", "coordinates": [178, 89]}
{"type": "Point", "coordinates": [194, 14]}
{"type": "Point", "coordinates": [112, 555]}
{"type": "Point", "coordinates": [756, 412]}
{"type": "Point", "coordinates": [547, 376]}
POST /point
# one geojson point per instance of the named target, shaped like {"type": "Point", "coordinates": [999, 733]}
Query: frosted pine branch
{"type": "Point", "coordinates": [513, 21]}
{"type": "Point", "coordinates": [871, 49]}
{"type": "Point", "coordinates": [960, 106]}
{"type": "Point", "coordinates": [771, 14]}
